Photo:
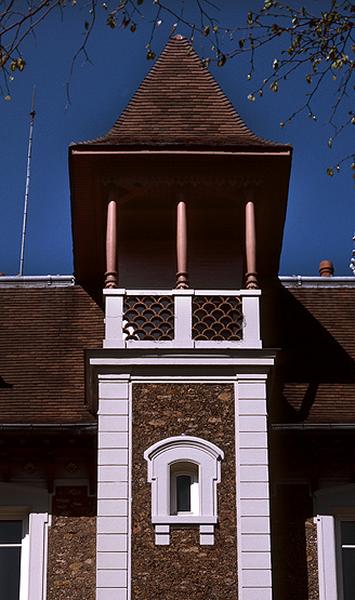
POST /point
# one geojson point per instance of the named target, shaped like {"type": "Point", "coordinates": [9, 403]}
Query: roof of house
{"type": "Point", "coordinates": [316, 331]}
{"type": "Point", "coordinates": [180, 103]}
{"type": "Point", "coordinates": [43, 334]}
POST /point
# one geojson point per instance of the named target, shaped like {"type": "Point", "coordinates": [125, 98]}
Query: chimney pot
{"type": "Point", "coordinates": [326, 268]}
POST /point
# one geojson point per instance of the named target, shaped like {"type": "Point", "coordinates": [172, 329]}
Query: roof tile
{"type": "Point", "coordinates": [180, 103]}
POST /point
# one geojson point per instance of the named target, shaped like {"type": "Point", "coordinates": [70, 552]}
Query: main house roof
{"type": "Point", "coordinates": [180, 103]}
{"type": "Point", "coordinates": [44, 332]}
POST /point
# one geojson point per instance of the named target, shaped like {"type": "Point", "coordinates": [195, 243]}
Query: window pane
{"type": "Point", "coordinates": [10, 532]}
{"type": "Point", "coordinates": [348, 573]}
{"type": "Point", "coordinates": [183, 493]}
{"type": "Point", "coordinates": [348, 532]}
{"type": "Point", "coordinates": [9, 573]}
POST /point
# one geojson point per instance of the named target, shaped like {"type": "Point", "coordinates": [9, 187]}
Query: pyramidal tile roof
{"type": "Point", "coordinates": [179, 103]}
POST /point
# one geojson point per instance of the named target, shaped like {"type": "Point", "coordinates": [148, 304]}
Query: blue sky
{"type": "Point", "coordinates": [320, 218]}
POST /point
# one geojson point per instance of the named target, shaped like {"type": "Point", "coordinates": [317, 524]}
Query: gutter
{"type": "Point", "coordinates": [305, 281]}
{"type": "Point", "coordinates": [10, 281]}
{"type": "Point", "coordinates": [36, 427]}
{"type": "Point", "coordinates": [313, 426]}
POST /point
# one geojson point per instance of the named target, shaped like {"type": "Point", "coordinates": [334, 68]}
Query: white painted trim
{"type": "Point", "coordinates": [114, 521]}
{"type": "Point", "coordinates": [114, 319]}
{"type": "Point", "coordinates": [195, 361]}
{"type": "Point", "coordinates": [130, 463]}
{"type": "Point", "coordinates": [252, 488]}
{"type": "Point", "coordinates": [204, 455]}
{"type": "Point", "coordinates": [36, 522]}
{"type": "Point", "coordinates": [327, 564]}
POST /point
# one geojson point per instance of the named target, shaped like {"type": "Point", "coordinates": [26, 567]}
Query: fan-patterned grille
{"type": "Point", "coordinates": [218, 318]}
{"type": "Point", "coordinates": [148, 318]}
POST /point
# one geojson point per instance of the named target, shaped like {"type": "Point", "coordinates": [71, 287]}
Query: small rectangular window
{"type": "Point", "coordinates": [10, 558]}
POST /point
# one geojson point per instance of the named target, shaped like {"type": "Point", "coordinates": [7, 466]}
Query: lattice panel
{"type": "Point", "coordinates": [148, 318]}
{"type": "Point", "coordinates": [217, 318]}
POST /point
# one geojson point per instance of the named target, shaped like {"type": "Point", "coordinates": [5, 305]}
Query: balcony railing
{"type": "Point", "coordinates": [182, 318]}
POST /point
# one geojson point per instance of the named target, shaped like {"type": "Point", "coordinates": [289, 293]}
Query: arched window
{"type": "Point", "coordinates": [184, 472]}
{"type": "Point", "coordinates": [184, 488]}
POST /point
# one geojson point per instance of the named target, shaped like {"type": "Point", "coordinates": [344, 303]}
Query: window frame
{"type": "Point", "coordinates": [332, 505]}
{"type": "Point", "coordinates": [194, 476]}
{"type": "Point", "coordinates": [10, 513]}
{"type": "Point", "coordinates": [36, 520]}
{"type": "Point", "coordinates": [348, 517]}
{"type": "Point", "coordinates": [184, 449]}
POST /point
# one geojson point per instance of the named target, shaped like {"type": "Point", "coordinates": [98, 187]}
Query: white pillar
{"type": "Point", "coordinates": [113, 549]}
{"type": "Point", "coordinates": [252, 489]}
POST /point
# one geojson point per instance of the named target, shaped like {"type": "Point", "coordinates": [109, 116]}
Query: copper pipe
{"type": "Point", "coordinates": [111, 275]}
{"type": "Point", "coordinates": [181, 246]}
{"type": "Point", "coordinates": [251, 281]}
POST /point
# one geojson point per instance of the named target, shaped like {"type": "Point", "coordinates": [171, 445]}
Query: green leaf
{"type": "Point", "coordinates": [309, 78]}
{"type": "Point", "coordinates": [274, 86]}
{"type": "Point", "coordinates": [251, 98]}
{"type": "Point", "coordinates": [330, 142]}
{"type": "Point", "coordinates": [268, 4]}
{"type": "Point", "coordinates": [330, 171]}
{"type": "Point", "coordinates": [150, 55]}
{"type": "Point", "coordinates": [133, 27]}
{"type": "Point", "coordinates": [241, 43]}
{"type": "Point", "coordinates": [250, 18]}
{"type": "Point", "coordinates": [206, 30]}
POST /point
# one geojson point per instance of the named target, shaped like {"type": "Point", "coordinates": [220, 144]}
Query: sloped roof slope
{"type": "Point", "coordinates": [317, 337]}
{"type": "Point", "coordinates": [43, 334]}
{"type": "Point", "coordinates": [180, 103]}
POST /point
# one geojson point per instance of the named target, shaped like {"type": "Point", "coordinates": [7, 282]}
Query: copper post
{"type": "Point", "coordinates": [251, 281]}
{"type": "Point", "coordinates": [181, 246]}
{"type": "Point", "coordinates": [111, 275]}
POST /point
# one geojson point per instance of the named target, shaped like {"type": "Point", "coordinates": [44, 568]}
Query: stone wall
{"type": "Point", "coordinates": [71, 545]}
{"type": "Point", "coordinates": [184, 569]}
{"type": "Point", "coordinates": [294, 544]}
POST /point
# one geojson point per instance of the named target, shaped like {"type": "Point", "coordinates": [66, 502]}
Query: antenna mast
{"type": "Point", "coordinates": [27, 187]}
{"type": "Point", "coordinates": [352, 261]}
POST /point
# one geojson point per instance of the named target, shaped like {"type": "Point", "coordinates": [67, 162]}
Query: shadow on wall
{"type": "Point", "coordinates": [294, 544]}
{"type": "Point", "coordinates": [315, 372]}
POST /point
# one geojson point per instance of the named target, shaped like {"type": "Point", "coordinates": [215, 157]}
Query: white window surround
{"type": "Point", "coordinates": [184, 449]}
{"type": "Point", "coordinates": [332, 506]}
{"type": "Point", "coordinates": [35, 517]}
